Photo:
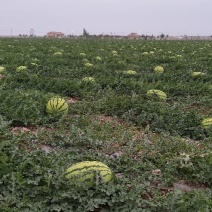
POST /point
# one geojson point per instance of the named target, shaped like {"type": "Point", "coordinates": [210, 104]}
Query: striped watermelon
{"type": "Point", "coordinates": [197, 73]}
{"type": "Point", "coordinates": [21, 68]}
{"type": "Point", "coordinates": [2, 69]}
{"type": "Point", "coordinates": [159, 69]}
{"type": "Point", "coordinates": [206, 123]}
{"type": "Point", "coordinates": [84, 172]}
{"type": "Point", "coordinates": [57, 105]}
{"type": "Point", "coordinates": [129, 72]}
{"type": "Point", "coordinates": [157, 93]}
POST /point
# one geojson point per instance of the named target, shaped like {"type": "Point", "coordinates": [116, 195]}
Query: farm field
{"type": "Point", "coordinates": [158, 147]}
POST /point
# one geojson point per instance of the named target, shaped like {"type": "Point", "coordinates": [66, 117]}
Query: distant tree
{"type": "Point", "coordinates": [162, 35]}
{"type": "Point", "coordinates": [85, 33]}
{"type": "Point", "coordinates": [144, 36]}
{"type": "Point", "coordinates": [32, 33]}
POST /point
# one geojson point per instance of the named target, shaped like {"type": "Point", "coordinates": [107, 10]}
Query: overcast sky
{"type": "Point", "coordinates": [173, 17]}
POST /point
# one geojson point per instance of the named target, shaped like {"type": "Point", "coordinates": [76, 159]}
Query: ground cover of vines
{"type": "Point", "coordinates": [159, 151]}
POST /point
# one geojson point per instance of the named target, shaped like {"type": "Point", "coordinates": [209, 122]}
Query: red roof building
{"type": "Point", "coordinates": [55, 34]}
{"type": "Point", "coordinates": [133, 35]}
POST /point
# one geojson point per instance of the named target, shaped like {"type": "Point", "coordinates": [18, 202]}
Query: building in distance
{"type": "Point", "coordinates": [133, 36]}
{"type": "Point", "coordinates": [55, 35]}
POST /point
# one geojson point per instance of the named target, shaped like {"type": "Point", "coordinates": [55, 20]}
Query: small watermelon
{"type": "Point", "coordinates": [157, 93]}
{"type": "Point", "coordinates": [57, 105]}
{"type": "Point", "coordinates": [84, 172]}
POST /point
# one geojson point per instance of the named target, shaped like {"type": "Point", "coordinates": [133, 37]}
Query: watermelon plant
{"type": "Point", "coordinates": [138, 111]}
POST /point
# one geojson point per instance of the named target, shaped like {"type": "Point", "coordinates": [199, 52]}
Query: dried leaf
{"type": "Point", "coordinates": [156, 172]}
{"type": "Point", "coordinates": [182, 186]}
